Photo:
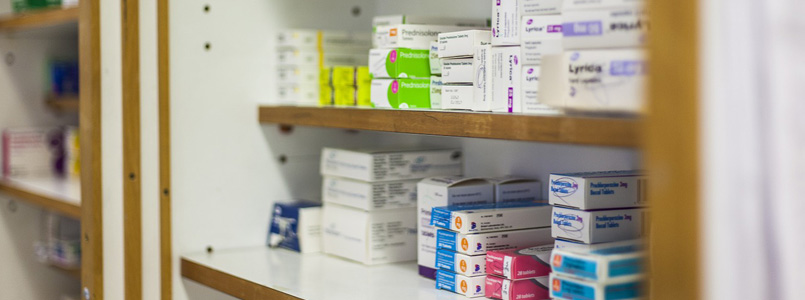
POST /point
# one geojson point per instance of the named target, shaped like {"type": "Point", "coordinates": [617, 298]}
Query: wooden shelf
{"type": "Point", "coordinates": [617, 132]}
{"type": "Point", "coordinates": [63, 103]}
{"type": "Point", "coordinates": [54, 194]}
{"type": "Point", "coordinates": [264, 273]}
{"type": "Point", "coordinates": [74, 272]}
{"type": "Point", "coordinates": [39, 19]}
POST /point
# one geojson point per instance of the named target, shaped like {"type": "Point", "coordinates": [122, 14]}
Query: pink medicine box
{"type": "Point", "coordinates": [523, 289]}
{"type": "Point", "coordinates": [521, 263]}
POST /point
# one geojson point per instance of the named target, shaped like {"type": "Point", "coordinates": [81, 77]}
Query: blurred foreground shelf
{"type": "Point", "coordinates": [54, 194]}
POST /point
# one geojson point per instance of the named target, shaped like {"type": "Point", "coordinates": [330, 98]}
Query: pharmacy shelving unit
{"type": "Point", "coordinates": [227, 151]}
{"type": "Point", "coordinates": [61, 195]}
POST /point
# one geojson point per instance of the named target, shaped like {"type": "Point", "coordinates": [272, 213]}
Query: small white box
{"type": "Point", "coordinates": [505, 23]}
{"type": "Point", "coordinates": [492, 217]}
{"type": "Point", "coordinates": [390, 165]}
{"type": "Point", "coordinates": [425, 20]}
{"type": "Point", "coordinates": [444, 191]}
{"type": "Point", "coordinates": [457, 97]}
{"type": "Point", "coordinates": [302, 95]}
{"type": "Point", "coordinates": [530, 96]}
{"type": "Point", "coordinates": [540, 7]}
{"type": "Point", "coordinates": [369, 196]}
{"type": "Point", "coordinates": [296, 57]}
{"type": "Point", "coordinates": [506, 72]}
{"type": "Point", "coordinates": [606, 80]}
{"type": "Point", "coordinates": [322, 39]}
{"type": "Point", "coordinates": [410, 36]}
{"type": "Point", "coordinates": [480, 243]}
{"type": "Point", "coordinates": [517, 189]}
{"type": "Point", "coordinates": [457, 70]}
{"type": "Point", "coordinates": [470, 287]}
{"type": "Point", "coordinates": [610, 28]}
{"type": "Point", "coordinates": [599, 4]}
{"type": "Point", "coordinates": [435, 62]}
{"type": "Point", "coordinates": [600, 226]}
{"type": "Point", "coordinates": [462, 43]}
{"type": "Point", "coordinates": [298, 75]}
{"type": "Point", "coordinates": [540, 35]}
{"type": "Point", "coordinates": [436, 92]}
{"type": "Point", "coordinates": [482, 80]}
{"type": "Point", "coordinates": [384, 236]}
{"type": "Point", "coordinates": [552, 81]}
{"type": "Point", "coordinates": [35, 151]}
{"type": "Point", "coordinates": [304, 58]}
{"type": "Point", "coordinates": [598, 190]}
{"type": "Point", "coordinates": [462, 264]}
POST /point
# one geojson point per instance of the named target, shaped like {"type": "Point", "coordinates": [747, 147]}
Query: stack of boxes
{"type": "Point", "coordinates": [37, 151]}
{"type": "Point", "coordinates": [306, 59]}
{"type": "Point", "coordinates": [519, 274]}
{"type": "Point", "coordinates": [346, 86]}
{"type": "Point", "coordinates": [400, 61]}
{"type": "Point", "coordinates": [369, 196]}
{"type": "Point", "coordinates": [457, 51]}
{"type": "Point", "coordinates": [592, 211]}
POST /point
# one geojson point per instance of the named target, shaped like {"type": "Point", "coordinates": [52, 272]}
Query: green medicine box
{"type": "Point", "coordinates": [399, 63]}
{"type": "Point", "coordinates": [401, 93]}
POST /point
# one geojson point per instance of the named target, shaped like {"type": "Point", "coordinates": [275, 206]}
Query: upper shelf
{"type": "Point", "coordinates": [58, 20]}
{"type": "Point", "coordinates": [54, 194]}
{"type": "Point", "coordinates": [617, 132]}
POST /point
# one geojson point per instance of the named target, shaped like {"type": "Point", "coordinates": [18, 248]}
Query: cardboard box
{"type": "Point", "coordinates": [605, 28]}
{"type": "Point", "coordinates": [377, 237]}
{"type": "Point", "coordinates": [326, 95]}
{"type": "Point", "coordinates": [322, 39]}
{"type": "Point", "coordinates": [298, 75]}
{"type": "Point", "coordinates": [390, 165]}
{"type": "Point", "coordinates": [457, 96]}
{"type": "Point", "coordinates": [304, 58]}
{"type": "Point", "coordinates": [570, 5]}
{"type": "Point", "coordinates": [364, 95]}
{"type": "Point", "coordinates": [401, 93]}
{"type": "Point", "coordinates": [296, 226]}
{"type": "Point", "coordinates": [342, 75]}
{"type": "Point", "coordinates": [410, 36]}
{"type": "Point", "coordinates": [506, 289]}
{"type": "Point", "coordinates": [480, 243]}
{"type": "Point", "coordinates": [540, 7]}
{"type": "Point", "coordinates": [435, 92]}
{"type": "Point", "coordinates": [443, 191]}
{"type": "Point", "coordinates": [606, 80]}
{"type": "Point", "coordinates": [462, 264]}
{"type": "Point", "coordinates": [506, 72]}
{"type": "Point", "coordinates": [521, 263]}
{"type": "Point", "coordinates": [35, 151]}
{"type": "Point", "coordinates": [530, 93]}
{"type": "Point", "coordinates": [482, 78]}
{"type": "Point", "coordinates": [598, 190]}
{"type": "Point", "coordinates": [457, 70]}
{"type": "Point", "coordinates": [435, 61]}
{"type": "Point", "coordinates": [600, 226]}
{"type": "Point", "coordinates": [344, 96]}
{"type": "Point", "coordinates": [425, 20]}
{"type": "Point", "coordinates": [471, 287]}
{"type": "Point", "coordinates": [505, 23]}
{"type": "Point", "coordinates": [399, 63]}
{"type": "Point", "coordinates": [369, 195]}
{"type": "Point", "coordinates": [517, 189]}
{"type": "Point", "coordinates": [466, 219]}
{"type": "Point", "coordinates": [611, 263]}
{"type": "Point", "coordinates": [302, 95]}
{"type": "Point", "coordinates": [462, 43]}
{"type": "Point", "coordinates": [540, 35]}
{"type": "Point", "coordinates": [563, 287]}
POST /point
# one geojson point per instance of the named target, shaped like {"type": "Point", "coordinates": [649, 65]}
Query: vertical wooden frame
{"type": "Point", "coordinates": [165, 219]}
{"type": "Point", "coordinates": [672, 150]}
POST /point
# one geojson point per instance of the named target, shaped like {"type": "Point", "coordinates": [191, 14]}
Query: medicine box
{"type": "Point", "coordinates": [321, 39]}
{"type": "Point", "coordinates": [530, 93]}
{"type": "Point", "coordinates": [344, 95]}
{"type": "Point", "coordinates": [433, 20]}
{"type": "Point", "coordinates": [517, 189]}
{"type": "Point", "coordinates": [605, 28]}
{"type": "Point", "coordinates": [462, 264]}
{"type": "Point", "coordinates": [570, 5]}
{"type": "Point", "coordinates": [399, 63]}
{"type": "Point", "coordinates": [506, 72]}
{"type": "Point", "coordinates": [598, 190]}
{"type": "Point", "coordinates": [521, 263]}
{"type": "Point", "coordinates": [563, 287]}
{"type": "Point", "coordinates": [505, 22]}
{"type": "Point", "coordinates": [435, 61]}
{"type": "Point", "coordinates": [552, 81]}
{"type": "Point", "coordinates": [600, 226]}
{"type": "Point", "coordinates": [298, 75]}
{"type": "Point", "coordinates": [343, 76]}
{"type": "Point", "coordinates": [540, 7]}
{"type": "Point", "coordinates": [390, 164]}
{"type": "Point", "coordinates": [444, 191]}
{"type": "Point", "coordinates": [470, 287]}
{"type": "Point", "coordinates": [480, 243]}
{"type": "Point", "coordinates": [462, 43]}
{"type": "Point", "coordinates": [297, 58]}
{"type": "Point", "coordinates": [456, 96]}
{"type": "Point", "coordinates": [478, 218]}
{"type": "Point", "coordinates": [326, 95]}
{"type": "Point", "coordinates": [410, 36]}
{"type": "Point", "coordinates": [524, 289]}
{"type": "Point", "coordinates": [296, 226]}
{"type": "Point", "coordinates": [457, 70]}
{"type": "Point", "coordinates": [369, 195]}
{"type": "Point", "coordinates": [606, 80]}
{"type": "Point", "coordinates": [383, 236]}
{"type": "Point", "coordinates": [436, 92]}
{"type": "Point", "coordinates": [401, 93]}
{"type": "Point", "coordinates": [620, 261]}
{"type": "Point", "coordinates": [540, 35]}
{"type": "Point", "coordinates": [482, 78]}
{"type": "Point", "coordinates": [33, 151]}
{"type": "Point", "coordinates": [302, 95]}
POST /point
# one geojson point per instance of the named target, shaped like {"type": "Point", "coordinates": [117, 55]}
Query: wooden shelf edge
{"type": "Point", "coordinates": [613, 132]}
{"type": "Point", "coordinates": [47, 202]}
{"type": "Point", "coordinates": [228, 283]}
{"type": "Point", "coordinates": [69, 271]}
{"type": "Point", "coordinates": [63, 103]}
{"type": "Point", "coordinates": [37, 19]}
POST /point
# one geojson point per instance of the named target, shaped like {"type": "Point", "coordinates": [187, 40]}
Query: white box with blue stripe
{"type": "Point", "coordinates": [617, 262]}
{"type": "Point", "coordinates": [600, 226]}
{"type": "Point", "coordinates": [598, 190]}
{"type": "Point", "coordinates": [492, 217]}
{"type": "Point", "coordinates": [622, 27]}
{"type": "Point", "coordinates": [467, 265]}
{"type": "Point", "coordinates": [480, 243]}
{"type": "Point", "coordinates": [563, 287]}
{"type": "Point", "coordinates": [463, 285]}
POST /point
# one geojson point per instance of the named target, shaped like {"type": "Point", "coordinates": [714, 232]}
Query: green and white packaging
{"type": "Point", "coordinates": [401, 93]}
{"type": "Point", "coordinates": [399, 63]}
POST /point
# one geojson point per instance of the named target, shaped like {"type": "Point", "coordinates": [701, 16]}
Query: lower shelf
{"type": "Point", "coordinates": [55, 194]}
{"type": "Point", "coordinates": [264, 273]}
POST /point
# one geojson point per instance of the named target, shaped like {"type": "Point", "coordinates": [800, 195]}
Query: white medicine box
{"type": "Point", "coordinates": [598, 190]}
{"type": "Point", "coordinates": [376, 237]}
{"type": "Point", "coordinates": [369, 195]}
{"type": "Point", "coordinates": [598, 226]}
{"type": "Point", "coordinates": [388, 165]}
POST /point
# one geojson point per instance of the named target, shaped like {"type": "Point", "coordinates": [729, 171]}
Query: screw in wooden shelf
{"type": "Point", "coordinates": [165, 192]}
{"type": "Point", "coordinates": [131, 176]}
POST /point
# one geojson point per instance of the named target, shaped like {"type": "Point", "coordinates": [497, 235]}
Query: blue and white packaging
{"type": "Point", "coordinates": [471, 287]}
{"type": "Point", "coordinates": [563, 244]}
{"type": "Point", "coordinates": [624, 27]}
{"type": "Point", "coordinates": [466, 219]}
{"type": "Point", "coordinates": [598, 190]}
{"type": "Point", "coordinates": [563, 287]}
{"type": "Point", "coordinates": [517, 189]}
{"type": "Point", "coordinates": [462, 264]}
{"type": "Point", "coordinates": [296, 226]}
{"type": "Point", "coordinates": [600, 226]}
{"type": "Point", "coordinates": [480, 243]}
{"type": "Point", "coordinates": [609, 263]}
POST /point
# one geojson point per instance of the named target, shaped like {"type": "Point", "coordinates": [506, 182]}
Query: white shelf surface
{"type": "Point", "coordinates": [67, 190]}
{"type": "Point", "coordinates": [319, 276]}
